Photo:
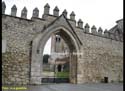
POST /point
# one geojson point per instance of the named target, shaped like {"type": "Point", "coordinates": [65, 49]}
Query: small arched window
{"type": "Point", "coordinates": [58, 39]}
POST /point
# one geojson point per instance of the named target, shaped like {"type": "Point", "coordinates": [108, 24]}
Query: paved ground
{"type": "Point", "coordinates": [70, 87]}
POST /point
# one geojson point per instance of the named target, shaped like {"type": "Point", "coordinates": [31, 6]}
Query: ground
{"type": "Point", "coordinates": [74, 87]}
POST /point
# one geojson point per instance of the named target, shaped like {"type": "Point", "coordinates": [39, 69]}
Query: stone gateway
{"type": "Point", "coordinates": [95, 56]}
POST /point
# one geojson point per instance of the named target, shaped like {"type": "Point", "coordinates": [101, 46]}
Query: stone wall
{"type": "Point", "coordinates": [19, 34]}
{"type": "Point", "coordinates": [102, 55]}
{"type": "Point", "coordinates": [101, 58]}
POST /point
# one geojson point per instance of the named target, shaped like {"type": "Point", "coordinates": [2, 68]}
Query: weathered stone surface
{"type": "Point", "coordinates": [101, 57]}
{"type": "Point", "coordinates": [13, 68]}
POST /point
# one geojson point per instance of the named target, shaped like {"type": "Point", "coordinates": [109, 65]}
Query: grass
{"type": "Point", "coordinates": [62, 74]}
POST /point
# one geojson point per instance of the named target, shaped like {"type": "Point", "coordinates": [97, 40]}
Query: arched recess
{"type": "Point", "coordinates": [38, 47]}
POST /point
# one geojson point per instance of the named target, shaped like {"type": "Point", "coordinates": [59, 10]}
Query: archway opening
{"type": "Point", "coordinates": [37, 65]}
{"type": "Point", "coordinates": [56, 60]}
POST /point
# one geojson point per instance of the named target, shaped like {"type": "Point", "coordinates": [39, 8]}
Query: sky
{"type": "Point", "coordinates": [101, 13]}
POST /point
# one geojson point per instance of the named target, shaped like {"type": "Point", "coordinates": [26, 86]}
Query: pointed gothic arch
{"type": "Point", "coordinates": [65, 30]}
{"type": "Point", "coordinates": [37, 53]}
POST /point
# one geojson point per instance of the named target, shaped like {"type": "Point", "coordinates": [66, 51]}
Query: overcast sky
{"type": "Point", "coordinates": [102, 13]}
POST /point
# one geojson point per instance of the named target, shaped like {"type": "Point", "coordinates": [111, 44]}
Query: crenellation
{"type": "Point", "coordinates": [72, 16]}
{"type": "Point", "coordinates": [3, 7]}
{"type": "Point", "coordinates": [80, 23]}
{"type": "Point", "coordinates": [106, 33]}
{"type": "Point", "coordinates": [100, 31]}
{"type": "Point", "coordinates": [35, 13]}
{"type": "Point", "coordinates": [100, 50]}
{"type": "Point", "coordinates": [87, 28]}
{"type": "Point", "coordinates": [24, 13]}
{"type": "Point", "coordinates": [93, 30]}
{"type": "Point", "coordinates": [46, 9]}
{"type": "Point", "coordinates": [56, 14]}
{"type": "Point", "coordinates": [14, 10]}
{"type": "Point", "coordinates": [56, 11]}
{"type": "Point", "coordinates": [65, 13]}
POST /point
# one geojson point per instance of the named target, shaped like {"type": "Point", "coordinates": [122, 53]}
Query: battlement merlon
{"type": "Point", "coordinates": [56, 11]}
{"type": "Point", "coordinates": [14, 10]}
{"type": "Point", "coordinates": [24, 13]}
{"type": "Point", "coordinates": [35, 13]}
{"type": "Point", "coordinates": [120, 24]}
{"type": "Point", "coordinates": [111, 34]}
{"type": "Point", "coordinates": [3, 7]}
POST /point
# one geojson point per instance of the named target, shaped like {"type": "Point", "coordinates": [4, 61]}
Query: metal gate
{"type": "Point", "coordinates": [55, 73]}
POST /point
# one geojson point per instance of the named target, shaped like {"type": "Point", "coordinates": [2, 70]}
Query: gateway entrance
{"type": "Point", "coordinates": [56, 64]}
